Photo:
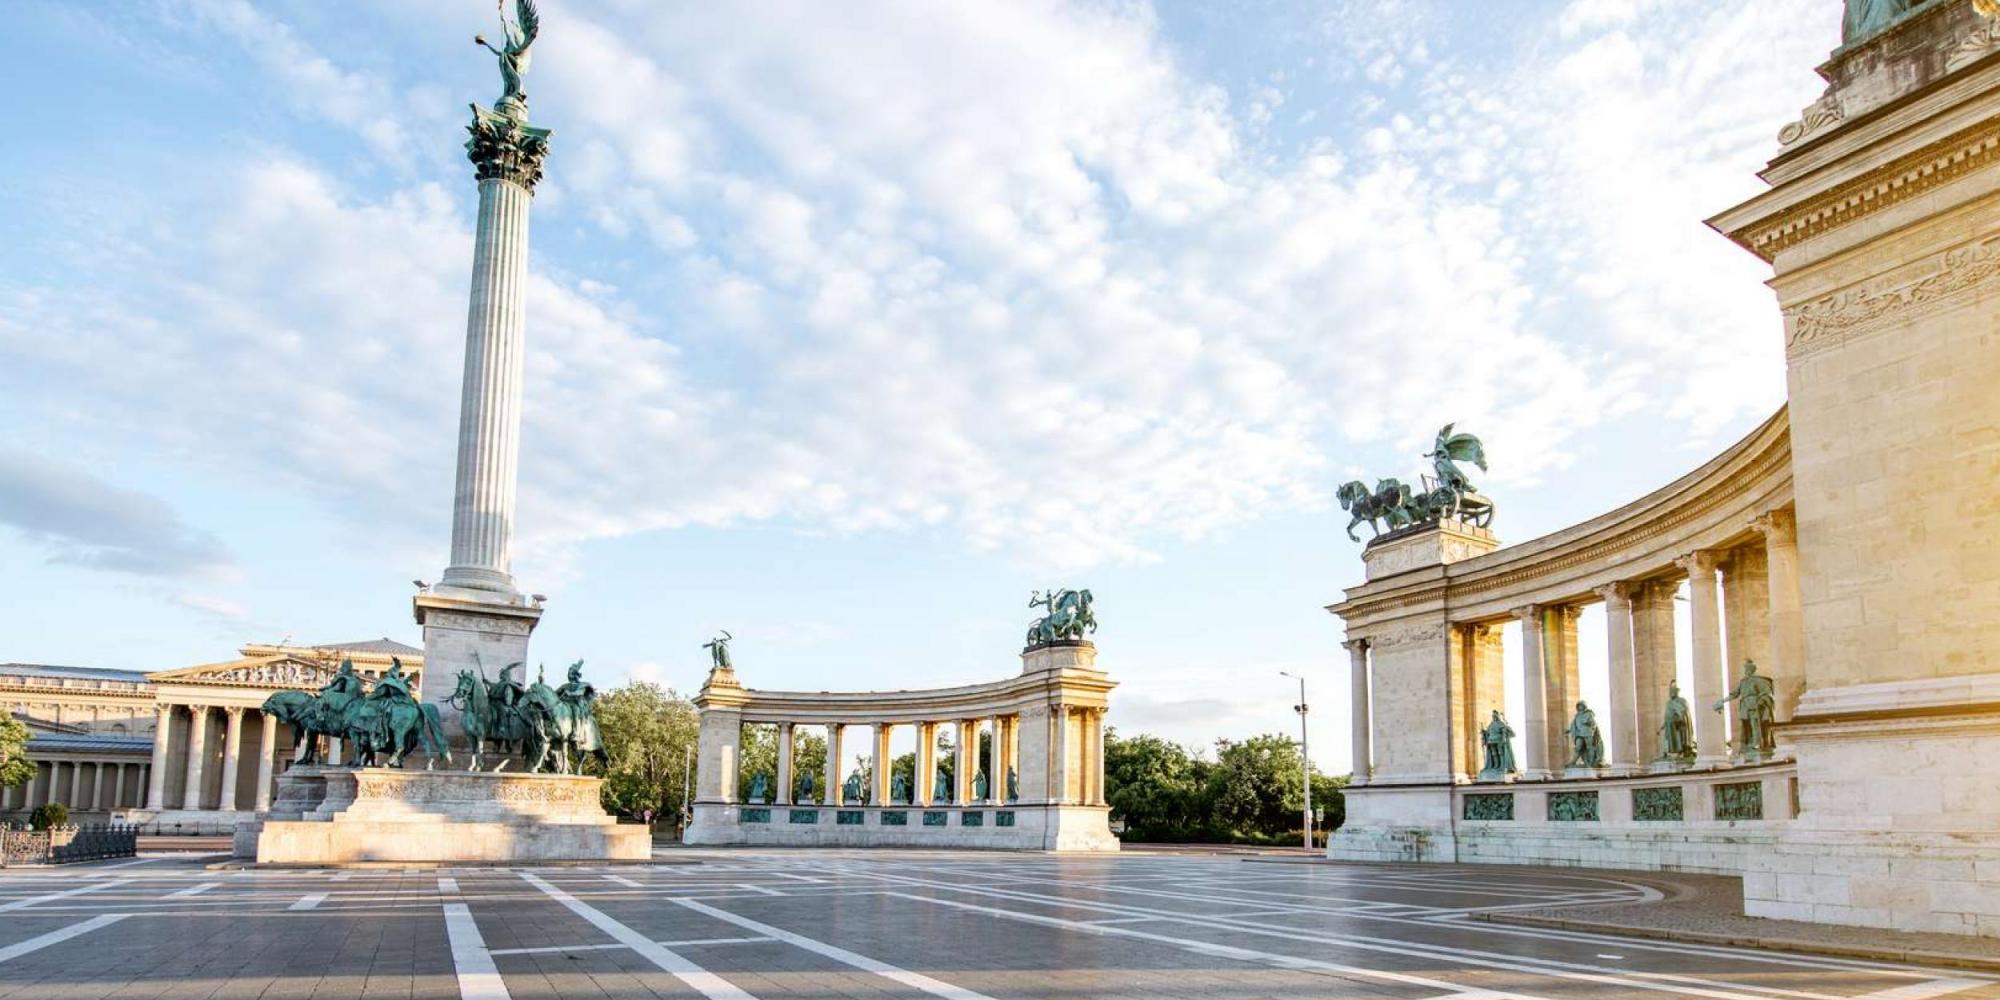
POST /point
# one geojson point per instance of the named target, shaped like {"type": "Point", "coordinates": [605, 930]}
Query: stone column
{"type": "Point", "coordinates": [996, 763]}
{"type": "Point", "coordinates": [267, 752]}
{"type": "Point", "coordinates": [118, 786]}
{"type": "Point", "coordinates": [97, 787]}
{"type": "Point", "coordinates": [197, 756]}
{"type": "Point", "coordinates": [1559, 645]}
{"type": "Point", "coordinates": [784, 789]}
{"type": "Point", "coordinates": [878, 779]}
{"type": "Point", "coordinates": [1062, 758]}
{"type": "Point", "coordinates": [232, 757]}
{"type": "Point", "coordinates": [76, 785]}
{"type": "Point", "coordinates": [1653, 646]}
{"type": "Point", "coordinates": [1009, 757]}
{"type": "Point", "coordinates": [965, 760]}
{"type": "Point", "coordinates": [156, 775]}
{"type": "Point", "coordinates": [507, 156]}
{"type": "Point", "coordinates": [1358, 725]}
{"type": "Point", "coordinates": [1097, 757]}
{"type": "Point", "coordinates": [1787, 620]}
{"type": "Point", "coordinates": [1710, 732]}
{"type": "Point", "coordinates": [1746, 595]}
{"type": "Point", "coordinates": [1535, 726]}
{"type": "Point", "coordinates": [833, 752]}
{"type": "Point", "coordinates": [1624, 708]}
{"type": "Point", "coordinates": [924, 774]}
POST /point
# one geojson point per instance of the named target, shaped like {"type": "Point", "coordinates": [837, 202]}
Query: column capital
{"type": "Point", "coordinates": [506, 147]}
{"type": "Point", "coordinates": [1616, 592]}
{"type": "Point", "coordinates": [1569, 613]}
{"type": "Point", "coordinates": [1528, 614]}
{"type": "Point", "coordinates": [1700, 562]}
{"type": "Point", "coordinates": [1779, 526]}
{"type": "Point", "coordinates": [1358, 644]}
{"type": "Point", "coordinates": [234, 711]}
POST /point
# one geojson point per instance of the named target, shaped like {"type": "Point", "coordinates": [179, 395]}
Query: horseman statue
{"type": "Point", "coordinates": [576, 723]}
{"type": "Point", "coordinates": [387, 718]}
{"type": "Point", "coordinates": [1448, 495]}
{"type": "Point", "coordinates": [1068, 618]}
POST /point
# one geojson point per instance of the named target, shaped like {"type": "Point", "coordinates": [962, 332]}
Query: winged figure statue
{"type": "Point", "coordinates": [1453, 448]}
{"type": "Point", "coordinates": [518, 37]}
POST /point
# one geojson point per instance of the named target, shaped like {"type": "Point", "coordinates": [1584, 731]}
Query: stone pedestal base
{"type": "Point", "coordinates": [468, 630]}
{"type": "Point", "coordinates": [336, 816]}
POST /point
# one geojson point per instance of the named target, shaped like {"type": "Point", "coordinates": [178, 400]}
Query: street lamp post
{"type": "Point", "coordinates": [1305, 755]}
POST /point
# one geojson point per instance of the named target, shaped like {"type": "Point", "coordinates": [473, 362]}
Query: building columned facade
{"type": "Point", "coordinates": [178, 751]}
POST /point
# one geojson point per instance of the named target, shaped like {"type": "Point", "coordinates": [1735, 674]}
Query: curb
{"type": "Point", "coordinates": [1952, 960]}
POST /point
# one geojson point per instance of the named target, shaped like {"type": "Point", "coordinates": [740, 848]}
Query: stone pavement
{"type": "Point", "coordinates": [736, 924]}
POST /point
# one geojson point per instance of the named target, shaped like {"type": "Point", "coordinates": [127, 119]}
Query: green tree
{"type": "Point", "coordinates": [15, 767]}
{"type": "Point", "coordinates": [648, 734]}
{"type": "Point", "coordinates": [1157, 788]}
{"type": "Point", "coordinates": [1255, 787]}
{"type": "Point", "coordinates": [759, 755]}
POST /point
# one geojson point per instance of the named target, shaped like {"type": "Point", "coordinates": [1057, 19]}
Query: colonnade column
{"type": "Point", "coordinates": [97, 788]}
{"type": "Point", "coordinates": [1624, 714]}
{"type": "Point", "coordinates": [965, 760]}
{"type": "Point", "coordinates": [76, 786]}
{"type": "Point", "coordinates": [1559, 648]}
{"type": "Point", "coordinates": [1010, 780]}
{"type": "Point", "coordinates": [834, 731]}
{"type": "Point", "coordinates": [1653, 654]}
{"type": "Point", "coordinates": [1534, 694]}
{"type": "Point", "coordinates": [1710, 735]}
{"type": "Point", "coordinates": [1359, 727]}
{"type": "Point", "coordinates": [996, 763]}
{"type": "Point", "coordinates": [197, 745]}
{"type": "Point", "coordinates": [784, 789]}
{"type": "Point", "coordinates": [232, 757]}
{"type": "Point", "coordinates": [267, 752]}
{"type": "Point", "coordinates": [156, 778]}
{"type": "Point", "coordinates": [878, 777]}
{"type": "Point", "coordinates": [1097, 757]}
{"type": "Point", "coordinates": [1787, 618]}
{"type": "Point", "coordinates": [1060, 759]}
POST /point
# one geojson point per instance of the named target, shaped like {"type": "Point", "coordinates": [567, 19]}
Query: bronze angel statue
{"type": "Point", "coordinates": [1454, 495]}
{"type": "Point", "coordinates": [518, 37]}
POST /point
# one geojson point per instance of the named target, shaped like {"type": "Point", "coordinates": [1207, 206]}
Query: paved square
{"type": "Point", "coordinates": [734, 924]}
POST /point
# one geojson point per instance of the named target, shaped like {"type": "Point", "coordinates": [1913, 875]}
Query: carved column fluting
{"type": "Point", "coordinates": [1624, 709]}
{"type": "Point", "coordinates": [156, 775]}
{"type": "Point", "coordinates": [232, 758]}
{"type": "Point", "coordinates": [1360, 727]}
{"type": "Point", "coordinates": [197, 744]}
{"type": "Point", "coordinates": [834, 732]}
{"type": "Point", "coordinates": [1787, 619]}
{"type": "Point", "coordinates": [1536, 727]}
{"type": "Point", "coordinates": [508, 158]}
{"type": "Point", "coordinates": [783, 793]}
{"type": "Point", "coordinates": [267, 752]}
{"type": "Point", "coordinates": [1710, 728]}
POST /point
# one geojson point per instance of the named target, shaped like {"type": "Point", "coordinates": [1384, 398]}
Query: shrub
{"type": "Point", "coordinates": [49, 817]}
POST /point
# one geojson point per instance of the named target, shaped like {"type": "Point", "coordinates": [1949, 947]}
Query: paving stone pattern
{"type": "Point", "coordinates": [826, 924]}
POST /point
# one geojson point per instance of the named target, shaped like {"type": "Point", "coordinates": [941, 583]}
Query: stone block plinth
{"type": "Point", "coordinates": [467, 630]}
{"type": "Point", "coordinates": [381, 815]}
{"type": "Point", "coordinates": [1424, 546]}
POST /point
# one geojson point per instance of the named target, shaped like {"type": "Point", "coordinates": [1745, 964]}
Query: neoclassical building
{"type": "Point", "coordinates": [1850, 547]}
{"type": "Point", "coordinates": [179, 751]}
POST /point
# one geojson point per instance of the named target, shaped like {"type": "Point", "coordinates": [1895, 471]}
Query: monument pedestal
{"type": "Point", "coordinates": [480, 631]}
{"type": "Point", "coordinates": [338, 815]}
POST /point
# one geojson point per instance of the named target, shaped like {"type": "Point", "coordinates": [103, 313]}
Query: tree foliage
{"type": "Point", "coordinates": [649, 733]}
{"type": "Point", "coordinates": [1251, 792]}
{"type": "Point", "coordinates": [15, 767]}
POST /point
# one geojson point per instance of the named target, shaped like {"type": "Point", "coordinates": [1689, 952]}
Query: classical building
{"type": "Point", "coordinates": [179, 751]}
{"type": "Point", "coordinates": [1849, 547]}
{"type": "Point", "coordinates": [1040, 786]}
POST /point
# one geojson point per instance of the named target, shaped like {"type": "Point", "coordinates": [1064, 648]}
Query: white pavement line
{"type": "Point", "coordinates": [735, 940]}
{"type": "Point", "coordinates": [758, 888]}
{"type": "Point", "coordinates": [448, 885]}
{"type": "Point", "coordinates": [914, 980]}
{"type": "Point", "coordinates": [309, 901]}
{"type": "Point", "coordinates": [552, 949]}
{"type": "Point", "coordinates": [341, 877]}
{"type": "Point", "coordinates": [622, 880]}
{"type": "Point", "coordinates": [22, 904]}
{"type": "Point", "coordinates": [127, 864]}
{"type": "Point", "coordinates": [193, 890]}
{"type": "Point", "coordinates": [58, 936]}
{"type": "Point", "coordinates": [478, 977]}
{"type": "Point", "coordinates": [1923, 991]}
{"type": "Point", "coordinates": [1214, 950]}
{"type": "Point", "coordinates": [707, 983]}
{"type": "Point", "coordinates": [795, 878]}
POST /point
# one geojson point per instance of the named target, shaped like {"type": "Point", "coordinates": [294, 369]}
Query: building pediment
{"type": "Point", "coordinates": [261, 672]}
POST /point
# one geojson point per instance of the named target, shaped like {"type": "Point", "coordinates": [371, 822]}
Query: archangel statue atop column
{"type": "Point", "coordinates": [517, 37]}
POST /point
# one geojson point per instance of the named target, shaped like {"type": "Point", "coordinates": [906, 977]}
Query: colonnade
{"type": "Point", "coordinates": [1074, 776]}
{"type": "Point", "coordinates": [198, 758]}
{"type": "Point", "coordinates": [82, 785]}
{"type": "Point", "coordinates": [1743, 605]}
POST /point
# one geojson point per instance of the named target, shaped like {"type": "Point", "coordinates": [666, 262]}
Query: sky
{"type": "Point", "coordinates": [851, 324]}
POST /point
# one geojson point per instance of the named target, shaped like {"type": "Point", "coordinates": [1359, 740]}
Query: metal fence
{"type": "Point", "coordinates": [92, 842]}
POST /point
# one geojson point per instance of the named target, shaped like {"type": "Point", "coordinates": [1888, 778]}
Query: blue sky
{"type": "Point", "coordinates": [853, 323]}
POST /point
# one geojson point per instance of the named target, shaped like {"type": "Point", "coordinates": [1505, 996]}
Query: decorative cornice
{"type": "Point", "coordinates": [1835, 319]}
{"type": "Point", "coordinates": [506, 147]}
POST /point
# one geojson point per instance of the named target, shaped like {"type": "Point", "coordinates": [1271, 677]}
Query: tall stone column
{"type": "Point", "coordinates": [1624, 708]}
{"type": "Point", "coordinates": [97, 787]}
{"type": "Point", "coordinates": [965, 760]}
{"type": "Point", "coordinates": [232, 757]}
{"type": "Point", "coordinates": [156, 775]}
{"type": "Point", "coordinates": [1097, 757]}
{"type": "Point", "coordinates": [785, 747]}
{"type": "Point", "coordinates": [1535, 727]}
{"type": "Point", "coordinates": [1653, 653]}
{"type": "Point", "coordinates": [474, 618]}
{"type": "Point", "coordinates": [878, 778]}
{"type": "Point", "coordinates": [76, 785]}
{"type": "Point", "coordinates": [1062, 758]}
{"type": "Point", "coordinates": [833, 752]}
{"type": "Point", "coordinates": [1359, 724]}
{"type": "Point", "coordinates": [1565, 677]}
{"type": "Point", "coordinates": [1710, 733]}
{"type": "Point", "coordinates": [267, 752]}
{"type": "Point", "coordinates": [996, 762]}
{"type": "Point", "coordinates": [197, 744]}
{"type": "Point", "coordinates": [924, 774]}
{"type": "Point", "coordinates": [1746, 615]}
{"type": "Point", "coordinates": [1787, 621]}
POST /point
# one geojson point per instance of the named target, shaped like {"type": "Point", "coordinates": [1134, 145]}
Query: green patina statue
{"type": "Point", "coordinates": [1585, 741]}
{"type": "Point", "coordinates": [718, 651]}
{"type": "Point", "coordinates": [387, 719]}
{"type": "Point", "coordinates": [979, 788]}
{"type": "Point", "coordinates": [550, 729]}
{"type": "Point", "coordinates": [941, 788]}
{"type": "Point", "coordinates": [1069, 616]}
{"type": "Point", "coordinates": [899, 790]}
{"type": "Point", "coordinates": [760, 790]}
{"type": "Point", "coordinates": [1013, 786]}
{"type": "Point", "coordinates": [576, 738]}
{"type": "Point", "coordinates": [1756, 705]}
{"type": "Point", "coordinates": [517, 38]}
{"type": "Point", "coordinates": [1866, 17]}
{"type": "Point", "coordinates": [850, 790]}
{"type": "Point", "coordinates": [1449, 495]}
{"type": "Point", "coordinates": [805, 788]}
{"type": "Point", "coordinates": [1677, 728]}
{"type": "Point", "coordinates": [1497, 741]}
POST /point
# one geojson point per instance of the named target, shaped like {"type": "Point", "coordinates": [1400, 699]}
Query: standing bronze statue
{"type": "Point", "coordinates": [1756, 706]}
{"type": "Point", "coordinates": [718, 651]}
{"type": "Point", "coordinates": [1677, 728]}
{"type": "Point", "coordinates": [1585, 740]}
{"type": "Point", "coordinates": [1497, 743]}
